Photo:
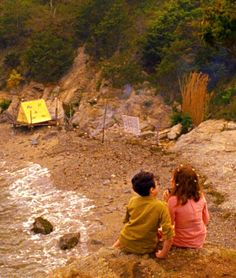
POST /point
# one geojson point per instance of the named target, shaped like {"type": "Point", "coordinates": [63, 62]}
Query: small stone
{"type": "Point", "coordinates": [69, 241]}
{"type": "Point", "coordinates": [96, 242]}
{"type": "Point", "coordinates": [106, 182]}
{"type": "Point", "coordinates": [42, 226]}
{"type": "Point", "coordinates": [34, 142]}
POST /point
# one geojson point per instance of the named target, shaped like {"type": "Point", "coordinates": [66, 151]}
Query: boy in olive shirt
{"type": "Point", "coordinates": [144, 216]}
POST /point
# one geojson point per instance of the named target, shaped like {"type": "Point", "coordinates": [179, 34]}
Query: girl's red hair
{"type": "Point", "coordinates": [186, 184]}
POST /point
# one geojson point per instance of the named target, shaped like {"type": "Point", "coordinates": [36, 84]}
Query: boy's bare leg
{"type": "Point", "coordinates": [116, 244]}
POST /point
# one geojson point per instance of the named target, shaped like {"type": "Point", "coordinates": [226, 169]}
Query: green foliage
{"type": "Point", "coordinates": [147, 103]}
{"type": "Point", "coordinates": [227, 112]}
{"type": "Point", "coordinates": [121, 70]}
{"type": "Point", "coordinates": [176, 117]}
{"type": "Point", "coordinates": [167, 28]}
{"type": "Point", "coordinates": [14, 79]}
{"type": "Point", "coordinates": [4, 104]}
{"type": "Point", "coordinates": [219, 25]}
{"type": "Point", "coordinates": [108, 35]}
{"type": "Point", "coordinates": [223, 104]}
{"type": "Point", "coordinates": [184, 119]}
{"type": "Point", "coordinates": [89, 16]}
{"type": "Point", "coordinates": [12, 60]}
{"type": "Point", "coordinates": [48, 57]}
{"type": "Point", "coordinates": [69, 109]}
{"type": "Point", "coordinates": [13, 17]}
{"type": "Point", "coordinates": [224, 97]}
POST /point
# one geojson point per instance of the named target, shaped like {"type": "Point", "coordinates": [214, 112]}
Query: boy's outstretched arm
{"type": "Point", "coordinates": [161, 254]}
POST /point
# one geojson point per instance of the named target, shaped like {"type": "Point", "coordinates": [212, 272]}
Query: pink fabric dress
{"type": "Point", "coordinates": [190, 222]}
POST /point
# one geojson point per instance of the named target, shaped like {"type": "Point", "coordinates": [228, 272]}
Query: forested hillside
{"type": "Point", "coordinates": [130, 41]}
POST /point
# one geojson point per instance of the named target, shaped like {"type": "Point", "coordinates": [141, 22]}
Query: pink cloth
{"type": "Point", "coordinates": [190, 222]}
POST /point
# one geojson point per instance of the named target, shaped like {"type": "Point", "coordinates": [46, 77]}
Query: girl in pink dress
{"type": "Point", "coordinates": [188, 208]}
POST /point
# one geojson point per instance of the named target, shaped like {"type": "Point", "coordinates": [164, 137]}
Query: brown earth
{"type": "Point", "coordinates": [102, 172]}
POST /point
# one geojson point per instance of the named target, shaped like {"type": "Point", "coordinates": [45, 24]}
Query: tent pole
{"type": "Point", "coordinates": [31, 120]}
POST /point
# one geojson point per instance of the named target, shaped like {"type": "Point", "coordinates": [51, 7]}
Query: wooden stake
{"type": "Point", "coordinates": [56, 112]}
{"type": "Point", "coordinates": [104, 122]}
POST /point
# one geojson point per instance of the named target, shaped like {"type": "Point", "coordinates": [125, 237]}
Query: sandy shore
{"type": "Point", "coordinates": [102, 172]}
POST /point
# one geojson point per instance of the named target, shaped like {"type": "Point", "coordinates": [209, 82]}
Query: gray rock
{"type": "Point", "coordinates": [42, 226]}
{"type": "Point", "coordinates": [69, 241]}
{"type": "Point", "coordinates": [148, 134]}
{"type": "Point", "coordinates": [174, 132]}
{"type": "Point", "coordinates": [231, 126]}
{"type": "Point", "coordinates": [211, 148]}
{"type": "Point", "coordinates": [96, 242]}
{"type": "Point", "coordinates": [34, 142]}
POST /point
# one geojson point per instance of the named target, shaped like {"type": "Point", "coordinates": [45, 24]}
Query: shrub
{"type": "Point", "coordinates": [13, 21]}
{"type": "Point", "coordinates": [147, 103]}
{"type": "Point", "coordinates": [176, 117]}
{"type": "Point", "coordinates": [194, 96]}
{"type": "Point", "coordinates": [89, 16]}
{"type": "Point", "coordinates": [48, 57]}
{"type": "Point", "coordinates": [184, 119]}
{"type": "Point", "coordinates": [12, 60]}
{"type": "Point", "coordinates": [14, 79]}
{"type": "Point", "coordinates": [4, 104]}
{"type": "Point", "coordinates": [224, 97]}
{"type": "Point", "coordinates": [166, 30]}
{"type": "Point", "coordinates": [227, 112]}
{"type": "Point", "coordinates": [108, 35]}
{"type": "Point", "coordinates": [219, 25]}
{"type": "Point", "coordinates": [122, 70]}
{"type": "Point", "coordinates": [69, 110]}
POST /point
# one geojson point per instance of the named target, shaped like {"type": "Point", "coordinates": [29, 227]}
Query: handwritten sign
{"type": "Point", "coordinates": [131, 124]}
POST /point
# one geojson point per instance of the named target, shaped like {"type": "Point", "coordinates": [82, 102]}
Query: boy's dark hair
{"type": "Point", "coordinates": [186, 184]}
{"type": "Point", "coordinates": [142, 182]}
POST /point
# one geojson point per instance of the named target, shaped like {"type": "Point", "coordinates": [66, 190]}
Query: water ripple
{"type": "Point", "coordinates": [27, 193]}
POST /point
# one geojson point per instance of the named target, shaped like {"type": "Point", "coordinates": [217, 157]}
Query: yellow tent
{"type": "Point", "coordinates": [32, 112]}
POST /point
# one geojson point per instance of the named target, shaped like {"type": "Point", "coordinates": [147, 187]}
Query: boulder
{"type": "Point", "coordinates": [42, 226]}
{"type": "Point", "coordinates": [32, 91]}
{"type": "Point", "coordinates": [174, 132]}
{"type": "Point", "coordinates": [14, 107]}
{"type": "Point", "coordinates": [55, 108]}
{"type": "Point", "coordinates": [162, 134]}
{"type": "Point", "coordinates": [111, 263]}
{"type": "Point", "coordinates": [69, 241]}
{"type": "Point", "coordinates": [211, 147]}
{"type": "Point", "coordinates": [148, 134]}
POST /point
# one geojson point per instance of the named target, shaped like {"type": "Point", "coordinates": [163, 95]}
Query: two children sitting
{"type": "Point", "coordinates": [185, 208]}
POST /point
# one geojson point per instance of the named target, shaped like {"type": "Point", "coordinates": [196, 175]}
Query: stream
{"type": "Point", "coordinates": [27, 192]}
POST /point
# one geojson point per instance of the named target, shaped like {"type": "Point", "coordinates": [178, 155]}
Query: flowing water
{"type": "Point", "coordinates": [27, 192]}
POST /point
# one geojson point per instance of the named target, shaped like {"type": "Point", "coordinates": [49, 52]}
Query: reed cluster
{"type": "Point", "coordinates": [193, 89]}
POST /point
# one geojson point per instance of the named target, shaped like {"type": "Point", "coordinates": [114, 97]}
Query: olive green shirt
{"type": "Point", "coordinates": [144, 216]}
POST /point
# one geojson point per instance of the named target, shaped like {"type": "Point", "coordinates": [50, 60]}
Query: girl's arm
{"type": "Point", "coordinates": [166, 195]}
{"type": "Point", "coordinates": [172, 202]}
{"type": "Point", "coordinates": [205, 214]}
